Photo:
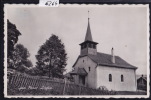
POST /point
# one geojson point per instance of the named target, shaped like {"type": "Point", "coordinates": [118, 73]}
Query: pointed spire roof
{"type": "Point", "coordinates": [88, 36]}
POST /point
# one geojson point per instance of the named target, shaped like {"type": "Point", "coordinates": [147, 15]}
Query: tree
{"type": "Point", "coordinates": [12, 38]}
{"type": "Point", "coordinates": [52, 57]}
{"type": "Point", "coordinates": [20, 58]}
{"type": "Point", "coordinates": [33, 71]}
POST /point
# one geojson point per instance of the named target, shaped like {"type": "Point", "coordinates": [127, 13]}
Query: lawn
{"type": "Point", "coordinates": [131, 93]}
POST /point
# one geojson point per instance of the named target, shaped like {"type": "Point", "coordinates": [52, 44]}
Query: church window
{"type": "Point", "coordinates": [89, 68]}
{"type": "Point", "coordinates": [90, 45]}
{"type": "Point", "coordinates": [83, 60]}
{"type": "Point", "coordinates": [122, 78]}
{"type": "Point", "coordinates": [87, 44]}
{"type": "Point", "coordinates": [83, 46]}
{"type": "Point", "coordinates": [110, 78]}
{"type": "Point", "coordinates": [94, 46]}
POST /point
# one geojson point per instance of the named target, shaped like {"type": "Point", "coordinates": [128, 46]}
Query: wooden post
{"type": "Point", "coordinates": [10, 79]}
{"type": "Point", "coordinates": [79, 90]}
{"type": "Point", "coordinates": [15, 79]}
{"type": "Point", "coordinates": [64, 87]}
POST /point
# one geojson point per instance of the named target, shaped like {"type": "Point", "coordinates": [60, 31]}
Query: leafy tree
{"type": "Point", "coordinates": [12, 38]}
{"type": "Point", "coordinates": [52, 57]}
{"type": "Point", "coordinates": [33, 71]}
{"type": "Point", "coordinates": [20, 58]}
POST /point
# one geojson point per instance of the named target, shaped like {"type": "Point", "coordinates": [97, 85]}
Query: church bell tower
{"type": "Point", "coordinates": [88, 46]}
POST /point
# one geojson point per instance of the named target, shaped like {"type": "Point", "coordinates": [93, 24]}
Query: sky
{"type": "Point", "coordinates": [122, 27]}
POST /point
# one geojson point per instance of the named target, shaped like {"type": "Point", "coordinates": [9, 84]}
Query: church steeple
{"type": "Point", "coordinates": [88, 36]}
{"type": "Point", "coordinates": [88, 46]}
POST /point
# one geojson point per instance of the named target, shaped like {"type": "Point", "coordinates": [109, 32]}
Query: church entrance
{"type": "Point", "coordinates": [82, 79]}
{"type": "Point", "coordinates": [80, 76]}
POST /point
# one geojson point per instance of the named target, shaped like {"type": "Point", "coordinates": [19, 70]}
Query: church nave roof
{"type": "Point", "coordinates": [105, 60]}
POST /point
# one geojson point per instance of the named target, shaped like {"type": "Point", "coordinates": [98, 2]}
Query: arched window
{"type": "Point", "coordinates": [94, 46]}
{"type": "Point", "coordinates": [90, 45]}
{"type": "Point", "coordinates": [89, 68]}
{"type": "Point", "coordinates": [110, 78]}
{"type": "Point", "coordinates": [122, 78]}
{"type": "Point", "coordinates": [84, 45]}
{"type": "Point", "coordinates": [87, 44]}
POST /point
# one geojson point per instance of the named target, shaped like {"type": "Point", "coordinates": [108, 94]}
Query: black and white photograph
{"type": "Point", "coordinates": [76, 50]}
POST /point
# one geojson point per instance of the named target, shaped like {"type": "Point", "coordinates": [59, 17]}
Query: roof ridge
{"type": "Point", "coordinates": [103, 53]}
{"type": "Point", "coordinates": [105, 59]}
{"type": "Point", "coordinates": [108, 54]}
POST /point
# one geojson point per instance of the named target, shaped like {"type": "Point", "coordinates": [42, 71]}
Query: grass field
{"type": "Point", "coordinates": [131, 93]}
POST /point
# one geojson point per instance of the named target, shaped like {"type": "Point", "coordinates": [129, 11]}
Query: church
{"type": "Point", "coordinates": [95, 69]}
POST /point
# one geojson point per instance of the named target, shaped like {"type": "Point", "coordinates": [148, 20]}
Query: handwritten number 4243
{"type": "Point", "coordinates": [53, 3]}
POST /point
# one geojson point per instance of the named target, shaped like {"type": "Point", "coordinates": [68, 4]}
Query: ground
{"type": "Point", "coordinates": [131, 93]}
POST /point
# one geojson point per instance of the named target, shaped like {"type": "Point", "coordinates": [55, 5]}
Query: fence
{"type": "Point", "coordinates": [28, 85]}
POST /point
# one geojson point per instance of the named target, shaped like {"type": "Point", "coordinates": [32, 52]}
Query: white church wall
{"type": "Point", "coordinates": [129, 83]}
{"type": "Point", "coordinates": [86, 62]}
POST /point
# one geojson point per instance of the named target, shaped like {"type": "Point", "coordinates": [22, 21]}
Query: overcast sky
{"type": "Point", "coordinates": [124, 28]}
